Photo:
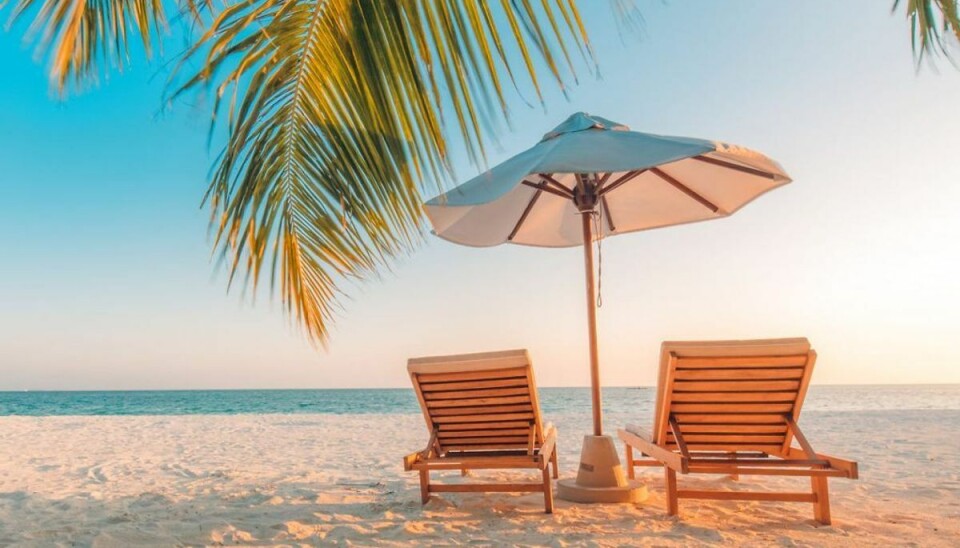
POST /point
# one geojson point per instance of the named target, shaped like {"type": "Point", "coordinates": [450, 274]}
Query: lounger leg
{"type": "Point", "coordinates": [672, 504]}
{"type": "Point", "coordinates": [629, 462]}
{"type": "Point", "coordinates": [547, 491]}
{"type": "Point", "coordinates": [821, 508]}
{"type": "Point", "coordinates": [734, 476]}
{"type": "Point", "coordinates": [556, 464]}
{"type": "Point", "coordinates": [424, 486]}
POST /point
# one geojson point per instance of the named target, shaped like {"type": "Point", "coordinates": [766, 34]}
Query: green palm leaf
{"type": "Point", "coordinates": [336, 112]}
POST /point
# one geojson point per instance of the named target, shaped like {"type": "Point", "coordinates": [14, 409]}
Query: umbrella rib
{"type": "Point", "coordinates": [685, 189]}
{"type": "Point", "coordinates": [523, 216]}
{"type": "Point", "coordinates": [625, 178]}
{"type": "Point", "coordinates": [546, 188]}
{"type": "Point", "coordinates": [606, 211]}
{"type": "Point", "coordinates": [556, 184]}
{"type": "Point", "coordinates": [603, 181]}
{"type": "Point", "coordinates": [728, 165]}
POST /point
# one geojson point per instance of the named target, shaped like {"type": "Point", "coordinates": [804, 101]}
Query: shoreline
{"type": "Point", "coordinates": [403, 401]}
{"type": "Point", "coordinates": [418, 414]}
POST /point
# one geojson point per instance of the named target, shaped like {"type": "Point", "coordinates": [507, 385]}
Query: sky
{"type": "Point", "coordinates": [107, 282]}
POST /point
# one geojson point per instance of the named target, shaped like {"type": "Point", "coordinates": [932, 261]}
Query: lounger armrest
{"type": "Point", "coordinates": [635, 437]}
{"type": "Point", "coordinates": [549, 444]}
{"type": "Point", "coordinates": [849, 467]}
{"type": "Point", "coordinates": [410, 460]}
{"type": "Point", "coordinates": [413, 458]}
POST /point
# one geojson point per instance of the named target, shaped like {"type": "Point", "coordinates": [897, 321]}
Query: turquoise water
{"type": "Point", "coordinates": [401, 401]}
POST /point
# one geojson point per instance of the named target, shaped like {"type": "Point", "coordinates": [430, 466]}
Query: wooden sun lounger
{"type": "Point", "coordinates": [731, 407]}
{"type": "Point", "coordinates": [482, 413]}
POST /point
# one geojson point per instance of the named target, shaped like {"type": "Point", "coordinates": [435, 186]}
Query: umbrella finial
{"type": "Point", "coordinates": [581, 121]}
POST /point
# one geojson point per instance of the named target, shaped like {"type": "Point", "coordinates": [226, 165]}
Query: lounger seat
{"type": "Point", "coordinates": [731, 407]}
{"type": "Point", "coordinates": [482, 412]}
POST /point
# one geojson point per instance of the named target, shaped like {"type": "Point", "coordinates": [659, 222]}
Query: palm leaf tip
{"type": "Point", "coordinates": [83, 39]}
{"type": "Point", "coordinates": [934, 26]}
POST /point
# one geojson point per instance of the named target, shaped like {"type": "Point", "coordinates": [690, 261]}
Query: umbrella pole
{"type": "Point", "coordinates": [592, 324]}
{"type": "Point", "coordinates": [600, 477]}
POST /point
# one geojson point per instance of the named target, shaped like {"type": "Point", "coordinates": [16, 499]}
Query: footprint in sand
{"type": "Point", "coordinates": [418, 528]}
{"type": "Point", "coordinates": [388, 515]}
{"type": "Point", "coordinates": [231, 536]}
{"type": "Point", "coordinates": [179, 470]}
{"type": "Point", "coordinates": [298, 531]}
{"type": "Point", "coordinates": [95, 474]}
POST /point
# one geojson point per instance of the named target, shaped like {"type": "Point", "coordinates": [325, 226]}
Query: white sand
{"type": "Point", "coordinates": [321, 480]}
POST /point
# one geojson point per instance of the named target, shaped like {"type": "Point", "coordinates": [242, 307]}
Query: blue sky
{"type": "Point", "coordinates": [107, 280]}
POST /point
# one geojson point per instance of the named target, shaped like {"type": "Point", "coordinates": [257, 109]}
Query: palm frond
{"type": "Point", "coordinates": [934, 26]}
{"type": "Point", "coordinates": [337, 111]}
{"type": "Point", "coordinates": [80, 37]}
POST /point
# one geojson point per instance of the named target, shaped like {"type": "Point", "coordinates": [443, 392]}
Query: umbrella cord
{"type": "Point", "coordinates": [596, 228]}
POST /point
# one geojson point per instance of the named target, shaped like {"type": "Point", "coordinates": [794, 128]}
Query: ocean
{"type": "Point", "coordinates": [403, 401]}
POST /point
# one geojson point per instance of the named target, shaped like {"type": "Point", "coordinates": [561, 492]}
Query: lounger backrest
{"type": "Point", "coordinates": [484, 401]}
{"type": "Point", "coordinates": [732, 395]}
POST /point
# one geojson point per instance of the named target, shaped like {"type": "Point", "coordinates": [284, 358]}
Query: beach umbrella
{"type": "Point", "coordinates": [587, 179]}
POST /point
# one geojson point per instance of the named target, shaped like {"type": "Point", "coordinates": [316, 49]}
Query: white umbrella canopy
{"type": "Point", "coordinates": [640, 181]}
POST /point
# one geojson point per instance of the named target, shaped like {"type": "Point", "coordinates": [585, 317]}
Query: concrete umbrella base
{"type": "Point", "coordinates": [600, 477]}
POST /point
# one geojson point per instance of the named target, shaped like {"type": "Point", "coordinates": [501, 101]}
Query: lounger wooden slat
{"type": "Point", "coordinates": [768, 447]}
{"type": "Point", "coordinates": [475, 463]}
{"type": "Point", "coordinates": [483, 433]}
{"type": "Point", "coordinates": [444, 439]}
{"type": "Point", "coordinates": [729, 438]}
{"type": "Point", "coordinates": [489, 432]}
{"type": "Point", "coordinates": [483, 413]}
{"type": "Point", "coordinates": [710, 458]}
{"type": "Point", "coordinates": [483, 454]}
{"type": "Point", "coordinates": [484, 418]}
{"type": "Point", "coordinates": [737, 374]}
{"type": "Point", "coordinates": [756, 455]}
{"type": "Point", "coordinates": [485, 410]}
{"type": "Point", "coordinates": [475, 446]}
{"type": "Point", "coordinates": [741, 470]}
{"type": "Point", "coordinates": [723, 459]}
{"type": "Point", "coordinates": [731, 407]}
{"type": "Point", "coordinates": [735, 428]}
{"type": "Point", "coordinates": [478, 401]}
{"type": "Point", "coordinates": [484, 426]}
{"type": "Point", "coordinates": [517, 372]}
{"type": "Point", "coordinates": [740, 397]}
{"type": "Point", "coordinates": [729, 418]}
{"type": "Point", "coordinates": [474, 385]}
{"type": "Point", "coordinates": [741, 495]}
{"type": "Point", "coordinates": [491, 393]}
{"type": "Point", "coordinates": [515, 440]}
{"type": "Point", "coordinates": [735, 386]}
{"type": "Point", "coordinates": [737, 362]}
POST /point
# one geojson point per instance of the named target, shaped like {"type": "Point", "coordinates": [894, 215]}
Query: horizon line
{"type": "Point", "coordinates": [47, 390]}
